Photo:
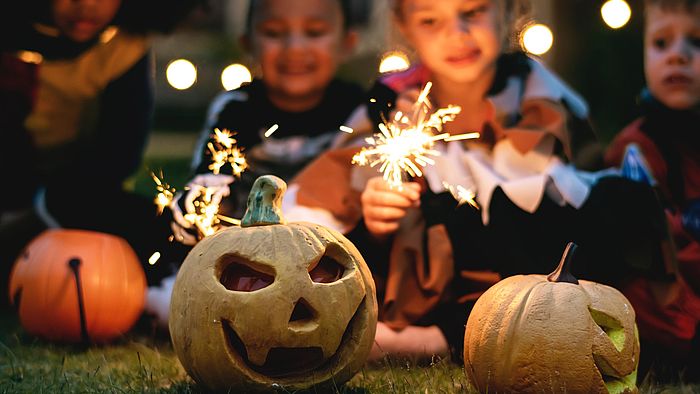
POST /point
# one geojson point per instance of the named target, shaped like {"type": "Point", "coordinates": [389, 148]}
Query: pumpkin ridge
{"type": "Point", "coordinates": [508, 361]}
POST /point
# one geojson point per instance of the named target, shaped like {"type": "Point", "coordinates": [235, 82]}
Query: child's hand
{"type": "Point", "coordinates": [217, 183]}
{"type": "Point", "coordinates": [383, 207]}
{"type": "Point", "coordinates": [405, 101]}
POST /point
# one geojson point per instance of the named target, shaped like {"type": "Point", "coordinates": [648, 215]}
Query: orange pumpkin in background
{"type": "Point", "coordinates": [552, 334]}
{"type": "Point", "coordinates": [78, 286]}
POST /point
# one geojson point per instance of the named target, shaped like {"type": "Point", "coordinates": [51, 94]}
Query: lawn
{"type": "Point", "coordinates": [144, 362]}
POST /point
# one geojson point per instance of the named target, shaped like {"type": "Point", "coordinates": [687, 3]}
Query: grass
{"type": "Point", "coordinates": [145, 363]}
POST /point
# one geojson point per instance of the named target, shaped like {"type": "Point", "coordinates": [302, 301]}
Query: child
{"type": "Point", "coordinates": [298, 47]}
{"type": "Point", "coordinates": [668, 137]}
{"type": "Point", "coordinates": [76, 101]}
{"type": "Point", "coordinates": [532, 200]}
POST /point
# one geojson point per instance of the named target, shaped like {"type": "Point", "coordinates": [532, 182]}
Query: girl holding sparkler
{"type": "Point", "coordinates": [432, 256]}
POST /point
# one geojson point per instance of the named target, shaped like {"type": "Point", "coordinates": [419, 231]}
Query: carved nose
{"type": "Point", "coordinates": [302, 313]}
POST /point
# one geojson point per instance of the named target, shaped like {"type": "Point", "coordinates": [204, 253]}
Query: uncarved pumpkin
{"type": "Point", "coordinates": [552, 334]}
{"type": "Point", "coordinates": [271, 303]}
{"type": "Point", "coordinates": [63, 274]}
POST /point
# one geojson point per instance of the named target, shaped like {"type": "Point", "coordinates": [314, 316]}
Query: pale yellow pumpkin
{"type": "Point", "coordinates": [552, 334]}
{"type": "Point", "coordinates": [269, 303]}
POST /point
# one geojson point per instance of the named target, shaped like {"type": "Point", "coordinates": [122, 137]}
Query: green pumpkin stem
{"type": "Point", "coordinates": [563, 271]}
{"type": "Point", "coordinates": [265, 202]}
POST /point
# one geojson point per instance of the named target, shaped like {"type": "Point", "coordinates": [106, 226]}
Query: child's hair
{"type": "Point", "coordinates": [355, 13]}
{"type": "Point", "coordinates": [686, 5]}
{"type": "Point", "coordinates": [514, 15]}
{"type": "Point", "coordinates": [135, 16]}
{"type": "Point", "coordinates": [161, 16]}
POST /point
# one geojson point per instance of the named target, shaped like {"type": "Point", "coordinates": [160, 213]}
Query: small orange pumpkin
{"type": "Point", "coordinates": [552, 334]}
{"type": "Point", "coordinates": [76, 285]}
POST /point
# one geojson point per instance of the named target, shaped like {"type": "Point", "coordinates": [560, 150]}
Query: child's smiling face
{"type": "Point", "coordinates": [82, 20]}
{"type": "Point", "coordinates": [456, 39]}
{"type": "Point", "coordinates": [672, 56]}
{"type": "Point", "coordinates": [299, 45]}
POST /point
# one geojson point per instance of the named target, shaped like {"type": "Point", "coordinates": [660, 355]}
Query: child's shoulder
{"type": "Point", "coordinates": [631, 134]}
{"type": "Point", "coordinates": [543, 83]}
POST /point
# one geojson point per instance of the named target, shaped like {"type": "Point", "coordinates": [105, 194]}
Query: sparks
{"type": "Point", "coordinates": [461, 194]}
{"type": "Point", "coordinates": [206, 218]}
{"type": "Point", "coordinates": [346, 129]}
{"type": "Point", "coordinates": [224, 151]}
{"type": "Point", "coordinates": [404, 144]}
{"type": "Point", "coordinates": [165, 192]}
{"type": "Point", "coordinates": [271, 130]}
{"type": "Point", "coordinates": [154, 258]}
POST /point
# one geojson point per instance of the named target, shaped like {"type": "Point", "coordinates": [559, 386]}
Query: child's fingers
{"type": "Point", "coordinates": [406, 100]}
{"type": "Point", "coordinates": [383, 213]}
{"type": "Point", "coordinates": [386, 199]}
{"type": "Point", "coordinates": [410, 190]}
{"type": "Point", "coordinates": [379, 228]}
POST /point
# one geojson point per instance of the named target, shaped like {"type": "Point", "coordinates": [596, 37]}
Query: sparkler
{"type": "Point", "coordinates": [205, 199]}
{"type": "Point", "coordinates": [165, 192]}
{"type": "Point", "coordinates": [461, 194]}
{"type": "Point", "coordinates": [224, 151]}
{"type": "Point", "coordinates": [404, 145]}
{"type": "Point", "coordinates": [206, 217]}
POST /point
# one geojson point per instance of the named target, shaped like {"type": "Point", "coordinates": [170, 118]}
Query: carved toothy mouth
{"type": "Point", "coordinates": [281, 361]}
{"type": "Point", "coordinates": [284, 362]}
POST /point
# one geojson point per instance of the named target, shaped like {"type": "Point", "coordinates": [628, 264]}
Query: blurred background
{"type": "Point", "coordinates": [594, 45]}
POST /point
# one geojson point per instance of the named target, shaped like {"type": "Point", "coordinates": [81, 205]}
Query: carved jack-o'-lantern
{"type": "Point", "coordinates": [536, 333]}
{"type": "Point", "coordinates": [76, 285]}
{"type": "Point", "coordinates": [272, 303]}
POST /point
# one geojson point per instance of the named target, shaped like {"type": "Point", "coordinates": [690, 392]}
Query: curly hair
{"type": "Point", "coordinates": [355, 13]}
{"type": "Point", "coordinates": [135, 16]}
{"type": "Point", "coordinates": [514, 15]}
{"type": "Point", "coordinates": [139, 16]}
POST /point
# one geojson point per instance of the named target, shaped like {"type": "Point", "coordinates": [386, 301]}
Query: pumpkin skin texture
{"type": "Point", "coordinates": [533, 334]}
{"type": "Point", "coordinates": [44, 291]}
{"type": "Point", "coordinates": [272, 304]}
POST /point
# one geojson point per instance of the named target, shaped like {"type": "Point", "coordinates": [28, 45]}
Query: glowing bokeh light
{"type": "Point", "coordinates": [181, 74]}
{"type": "Point", "coordinates": [234, 76]}
{"type": "Point", "coordinates": [393, 61]}
{"type": "Point", "coordinates": [616, 13]}
{"type": "Point", "coordinates": [537, 39]}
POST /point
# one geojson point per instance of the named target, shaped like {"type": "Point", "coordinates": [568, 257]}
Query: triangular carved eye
{"type": "Point", "coordinates": [240, 277]}
{"type": "Point", "coordinates": [611, 327]}
{"type": "Point", "coordinates": [327, 271]}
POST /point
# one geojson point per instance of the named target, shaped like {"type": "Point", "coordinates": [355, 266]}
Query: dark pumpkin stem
{"type": "Point", "coordinates": [563, 271]}
{"type": "Point", "coordinates": [265, 202]}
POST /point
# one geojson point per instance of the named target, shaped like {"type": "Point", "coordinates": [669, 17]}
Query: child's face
{"type": "Point", "coordinates": [456, 39]}
{"type": "Point", "coordinates": [82, 20]}
{"type": "Point", "coordinates": [299, 45]}
{"type": "Point", "coordinates": [672, 56]}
